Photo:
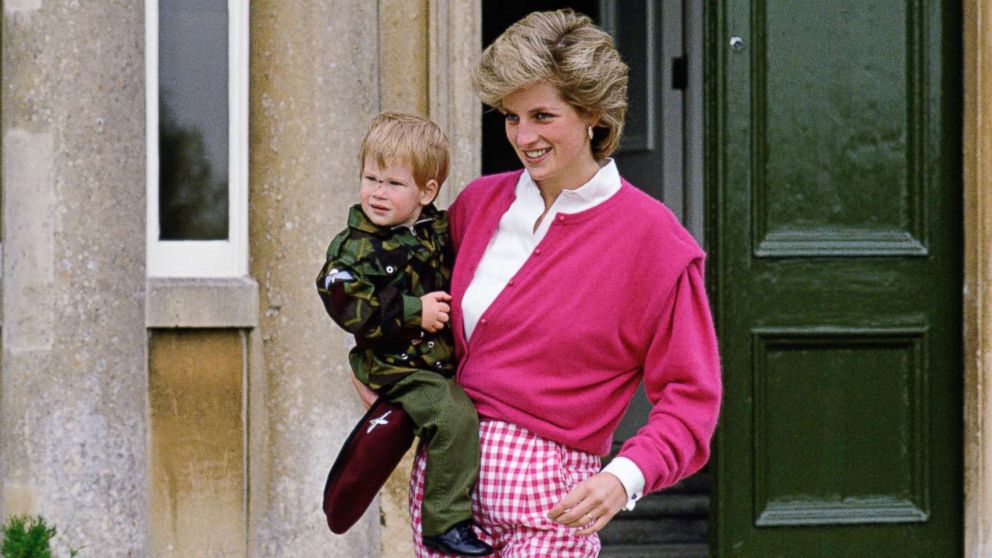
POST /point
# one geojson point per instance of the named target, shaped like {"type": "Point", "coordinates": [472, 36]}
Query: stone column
{"type": "Point", "coordinates": [73, 406]}
{"type": "Point", "coordinates": [314, 88]}
{"type": "Point", "coordinates": [427, 50]}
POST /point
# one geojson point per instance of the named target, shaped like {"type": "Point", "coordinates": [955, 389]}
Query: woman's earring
{"type": "Point", "coordinates": [590, 132]}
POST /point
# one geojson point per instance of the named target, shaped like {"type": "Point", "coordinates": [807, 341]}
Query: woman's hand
{"type": "Point", "coordinates": [435, 311]}
{"type": "Point", "coordinates": [367, 395]}
{"type": "Point", "coordinates": [591, 504]}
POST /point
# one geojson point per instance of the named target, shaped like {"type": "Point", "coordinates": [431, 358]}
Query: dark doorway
{"type": "Point", "coordinates": [660, 153]}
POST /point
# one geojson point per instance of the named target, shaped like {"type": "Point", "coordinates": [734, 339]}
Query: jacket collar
{"type": "Point", "coordinates": [359, 221]}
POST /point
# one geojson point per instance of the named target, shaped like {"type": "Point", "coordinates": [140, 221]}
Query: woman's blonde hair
{"type": "Point", "coordinates": [411, 139]}
{"type": "Point", "coordinates": [567, 50]}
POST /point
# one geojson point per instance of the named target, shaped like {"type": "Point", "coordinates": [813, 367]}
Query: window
{"type": "Point", "coordinates": [197, 127]}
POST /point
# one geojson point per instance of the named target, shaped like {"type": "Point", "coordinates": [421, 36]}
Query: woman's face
{"type": "Point", "coordinates": [550, 137]}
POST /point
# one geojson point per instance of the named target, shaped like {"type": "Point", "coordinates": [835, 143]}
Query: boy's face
{"type": "Point", "coordinates": [390, 195]}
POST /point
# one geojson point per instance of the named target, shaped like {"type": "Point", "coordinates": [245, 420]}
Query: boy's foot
{"type": "Point", "coordinates": [459, 540]}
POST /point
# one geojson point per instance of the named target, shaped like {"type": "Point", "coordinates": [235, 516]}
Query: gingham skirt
{"type": "Point", "coordinates": [521, 477]}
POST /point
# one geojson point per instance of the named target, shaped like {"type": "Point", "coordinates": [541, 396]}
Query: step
{"type": "Point", "coordinates": [696, 484]}
{"type": "Point", "coordinates": [668, 505]}
{"type": "Point", "coordinates": [655, 551]}
{"type": "Point", "coordinates": [655, 531]}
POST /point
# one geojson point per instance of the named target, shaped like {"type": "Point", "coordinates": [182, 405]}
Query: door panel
{"type": "Point", "coordinates": [839, 125]}
{"type": "Point", "coordinates": [835, 151]}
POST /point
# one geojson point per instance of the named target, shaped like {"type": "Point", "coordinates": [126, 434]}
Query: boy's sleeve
{"type": "Point", "coordinates": [347, 287]}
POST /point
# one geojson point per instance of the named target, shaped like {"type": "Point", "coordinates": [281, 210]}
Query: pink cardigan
{"type": "Point", "coordinates": [612, 295]}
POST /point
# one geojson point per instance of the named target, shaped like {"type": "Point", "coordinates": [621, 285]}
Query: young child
{"type": "Point", "coordinates": [384, 281]}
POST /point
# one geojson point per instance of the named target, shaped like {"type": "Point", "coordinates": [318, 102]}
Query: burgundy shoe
{"type": "Point", "coordinates": [459, 540]}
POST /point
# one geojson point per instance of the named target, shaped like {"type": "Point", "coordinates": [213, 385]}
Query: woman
{"type": "Point", "coordinates": [570, 287]}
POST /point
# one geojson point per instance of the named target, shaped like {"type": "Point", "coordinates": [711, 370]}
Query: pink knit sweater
{"type": "Point", "coordinates": [612, 295]}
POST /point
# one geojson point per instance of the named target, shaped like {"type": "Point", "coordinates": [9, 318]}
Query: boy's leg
{"type": "Point", "coordinates": [445, 419]}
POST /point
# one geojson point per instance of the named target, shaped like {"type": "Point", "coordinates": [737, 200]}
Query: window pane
{"type": "Point", "coordinates": [193, 120]}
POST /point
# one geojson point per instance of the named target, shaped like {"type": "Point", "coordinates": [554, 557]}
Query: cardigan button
{"type": "Point", "coordinates": [537, 251]}
{"type": "Point", "coordinates": [482, 321]}
{"type": "Point", "coordinates": [511, 283]}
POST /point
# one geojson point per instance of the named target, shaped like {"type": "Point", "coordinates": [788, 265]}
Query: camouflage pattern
{"type": "Point", "coordinates": [371, 286]}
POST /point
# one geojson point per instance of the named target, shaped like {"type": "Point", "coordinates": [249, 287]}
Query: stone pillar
{"type": "Point", "coordinates": [314, 88]}
{"type": "Point", "coordinates": [427, 50]}
{"type": "Point", "coordinates": [403, 52]}
{"type": "Point", "coordinates": [403, 86]}
{"type": "Point", "coordinates": [455, 31]}
{"type": "Point", "coordinates": [74, 384]}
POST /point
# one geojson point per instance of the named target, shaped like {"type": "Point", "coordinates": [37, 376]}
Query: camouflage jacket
{"type": "Point", "coordinates": [371, 286]}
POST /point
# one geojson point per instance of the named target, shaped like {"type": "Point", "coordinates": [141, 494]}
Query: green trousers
{"type": "Point", "coordinates": [445, 419]}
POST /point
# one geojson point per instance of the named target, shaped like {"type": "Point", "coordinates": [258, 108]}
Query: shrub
{"type": "Point", "coordinates": [26, 537]}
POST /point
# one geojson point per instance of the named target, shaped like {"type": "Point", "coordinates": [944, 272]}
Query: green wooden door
{"type": "Point", "coordinates": [835, 195]}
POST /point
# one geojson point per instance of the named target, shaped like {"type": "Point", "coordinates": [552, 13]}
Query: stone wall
{"type": "Point", "coordinates": [126, 449]}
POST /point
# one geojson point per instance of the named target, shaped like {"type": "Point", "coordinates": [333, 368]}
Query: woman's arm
{"type": "Point", "coordinates": [682, 382]}
{"type": "Point", "coordinates": [367, 396]}
{"type": "Point", "coordinates": [682, 377]}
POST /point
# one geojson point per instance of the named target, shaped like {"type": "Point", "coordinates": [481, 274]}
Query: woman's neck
{"type": "Point", "coordinates": [550, 189]}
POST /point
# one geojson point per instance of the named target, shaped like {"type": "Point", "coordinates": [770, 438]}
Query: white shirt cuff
{"type": "Point", "coordinates": [631, 478]}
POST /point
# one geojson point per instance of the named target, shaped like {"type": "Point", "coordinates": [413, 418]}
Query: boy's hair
{"type": "Point", "coordinates": [412, 139]}
{"type": "Point", "coordinates": [567, 50]}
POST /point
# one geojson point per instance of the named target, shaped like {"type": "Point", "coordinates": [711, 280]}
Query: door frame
{"type": "Point", "coordinates": [454, 98]}
{"type": "Point", "coordinates": [977, 173]}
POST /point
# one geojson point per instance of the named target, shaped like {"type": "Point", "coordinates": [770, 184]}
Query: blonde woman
{"type": "Point", "coordinates": [571, 287]}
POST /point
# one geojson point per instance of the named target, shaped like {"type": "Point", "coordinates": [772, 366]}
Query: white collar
{"type": "Point", "coordinates": [601, 186]}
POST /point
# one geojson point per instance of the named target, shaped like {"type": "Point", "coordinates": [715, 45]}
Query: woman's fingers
{"type": "Point", "coordinates": [598, 524]}
{"type": "Point", "coordinates": [573, 508]}
{"type": "Point", "coordinates": [591, 504]}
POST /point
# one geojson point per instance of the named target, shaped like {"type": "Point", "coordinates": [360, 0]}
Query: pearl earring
{"type": "Point", "coordinates": [590, 132]}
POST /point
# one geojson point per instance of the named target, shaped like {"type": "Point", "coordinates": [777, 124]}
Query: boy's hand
{"type": "Point", "coordinates": [435, 311]}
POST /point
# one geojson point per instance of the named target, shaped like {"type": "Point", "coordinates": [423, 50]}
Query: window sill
{"type": "Point", "coordinates": [201, 303]}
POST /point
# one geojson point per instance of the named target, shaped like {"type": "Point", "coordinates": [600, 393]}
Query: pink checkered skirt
{"type": "Point", "coordinates": [522, 476]}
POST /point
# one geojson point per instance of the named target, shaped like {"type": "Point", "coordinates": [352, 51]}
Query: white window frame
{"type": "Point", "coordinates": [202, 258]}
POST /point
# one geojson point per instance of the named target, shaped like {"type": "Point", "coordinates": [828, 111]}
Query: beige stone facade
{"type": "Point", "coordinates": [142, 416]}
{"type": "Point", "coordinates": [195, 417]}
